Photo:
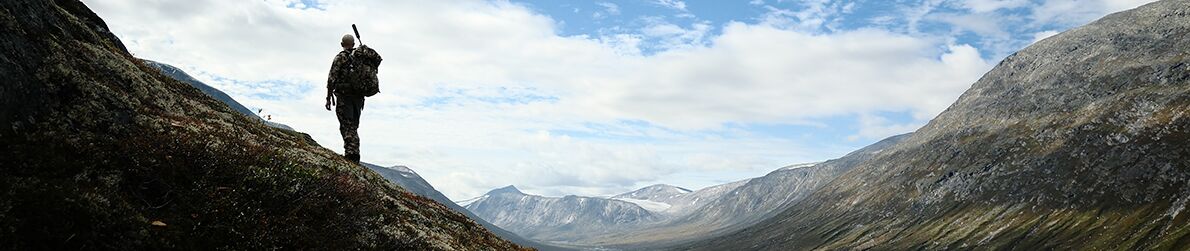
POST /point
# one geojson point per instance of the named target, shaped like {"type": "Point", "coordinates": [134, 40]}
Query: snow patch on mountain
{"type": "Point", "coordinates": [803, 165]}
{"type": "Point", "coordinates": [652, 206]}
{"type": "Point", "coordinates": [467, 202]}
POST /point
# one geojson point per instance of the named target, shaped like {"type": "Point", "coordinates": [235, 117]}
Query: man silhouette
{"type": "Point", "coordinates": [347, 103]}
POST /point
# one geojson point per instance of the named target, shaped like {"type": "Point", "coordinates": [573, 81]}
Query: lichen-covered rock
{"type": "Point", "coordinates": [101, 151]}
{"type": "Point", "coordinates": [1081, 141]}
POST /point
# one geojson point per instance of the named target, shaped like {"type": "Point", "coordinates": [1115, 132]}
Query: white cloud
{"type": "Point", "coordinates": [481, 94]}
{"type": "Point", "coordinates": [1000, 26]}
{"type": "Point", "coordinates": [673, 4]}
{"type": "Point", "coordinates": [987, 25]}
{"type": "Point", "coordinates": [877, 127]}
{"type": "Point", "coordinates": [810, 16]}
{"type": "Point", "coordinates": [980, 6]}
{"type": "Point", "coordinates": [1043, 35]}
{"type": "Point", "coordinates": [1079, 12]}
{"type": "Point", "coordinates": [672, 36]}
{"type": "Point", "coordinates": [611, 8]}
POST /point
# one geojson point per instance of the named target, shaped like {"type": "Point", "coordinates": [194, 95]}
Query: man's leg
{"type": "Point", "coordinates": [348, 109]}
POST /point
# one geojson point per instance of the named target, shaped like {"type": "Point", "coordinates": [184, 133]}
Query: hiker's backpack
{"type": "Point", "coordinates": [357, 75]}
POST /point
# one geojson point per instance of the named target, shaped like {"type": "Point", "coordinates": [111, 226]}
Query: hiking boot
{"type": "Point", "coordinates": [354, 158]}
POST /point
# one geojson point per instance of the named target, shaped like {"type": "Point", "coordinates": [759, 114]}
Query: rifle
{"type": "Point", "coordinates": [357, 37]}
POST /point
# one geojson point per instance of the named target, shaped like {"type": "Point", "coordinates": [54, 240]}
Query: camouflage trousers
{"type": "Point", "coordinates": [348, 108]}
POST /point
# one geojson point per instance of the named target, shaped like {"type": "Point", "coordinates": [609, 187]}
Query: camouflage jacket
{"type": "Point", "coordinates": [340, 60]}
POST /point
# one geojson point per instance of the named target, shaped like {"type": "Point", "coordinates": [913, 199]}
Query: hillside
{"type": "Point", "coordinates": [1078, 142]}
{"type": "Point", "coordinates": [178, 74]}
{"type": "Point", "coordinates": [401, 176]}
{"type": "Point", "coordinates": [105, 152]}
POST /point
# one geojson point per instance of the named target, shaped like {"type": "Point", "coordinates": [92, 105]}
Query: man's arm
{"type": "Point", "coordinates": [330, 81]}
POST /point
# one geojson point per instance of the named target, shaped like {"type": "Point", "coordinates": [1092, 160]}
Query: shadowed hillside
{"type": "Point", "coordinates": [104, 152]}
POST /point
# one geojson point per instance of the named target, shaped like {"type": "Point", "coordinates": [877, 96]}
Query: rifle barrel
{"type": "Point", "coordinates": [357, 37]}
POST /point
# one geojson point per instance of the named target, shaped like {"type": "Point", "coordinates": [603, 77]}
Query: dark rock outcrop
{"type": "Point", "coordinates": [1078, 142]}
{"type": "Point", "coordinates": [103, 152]}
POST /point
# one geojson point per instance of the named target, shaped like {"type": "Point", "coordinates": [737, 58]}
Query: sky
{"type": "Point", "coordinates": [598, 98]}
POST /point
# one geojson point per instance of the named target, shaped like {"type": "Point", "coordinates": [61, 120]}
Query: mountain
{"type": "Point", "coordinates": [658, 192]}
{"type": "Point", "coordinates": [672, 201]}
{"type": "Point", "coordinates": [411, 181]}
{"type": "Point", "coordinates": [556, 220]}
{"type": "Point", "coordinates": [408, 179]}
{"type": "Point", "coordinates": [750, 201]}
{"type": "Point", "coordinates": [675, 215]}
{"type": "Point", "coordinates": [656, 198]}
{"type": "Point", "coordinates": [104, 152]}
{"type": "Point", "coordinates": [685, 203]}
{"type": "Point", "coordinates": [1078, 142]}
{"type": "Point", "coordinates": [217, 94]}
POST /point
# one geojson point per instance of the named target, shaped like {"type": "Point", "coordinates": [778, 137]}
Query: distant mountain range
{"type": "Point", "coordinates": [411, 181]}
{"type": "Point", "coordinates": [750, 202]}
{"type": "Point", "coordinates": [561, 220]}
{"type": "Point", "coordinates": [660, 215]}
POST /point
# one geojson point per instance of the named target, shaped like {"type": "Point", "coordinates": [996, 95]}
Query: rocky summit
{"type": "Point", "coordinates": [1078, 142]}
{"type": "Point", "coordinates": [104, 152]}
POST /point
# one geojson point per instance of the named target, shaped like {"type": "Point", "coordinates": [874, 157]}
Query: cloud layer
{"type": "Point", "coordinates": [481, 94]}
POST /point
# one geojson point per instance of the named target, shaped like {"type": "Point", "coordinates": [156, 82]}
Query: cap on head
{"type": "Point", "coordinates": [348, 40]}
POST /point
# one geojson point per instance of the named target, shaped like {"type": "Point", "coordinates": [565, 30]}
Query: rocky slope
{"type": "Point", "coordinates": [412, 182]}
{"type": "Point", "coordinates": [1079, 141]}
{"type": "Point", "coordinates": [178, 74]}
{"type": "Point", "coordinates": [558, 220]}
{"type": "Point", "coordinates": [104, 152]}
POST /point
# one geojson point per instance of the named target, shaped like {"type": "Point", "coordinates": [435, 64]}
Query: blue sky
{"type": "Point", "coordinates": [601, 97]}
{"type": "Point", "coordinates": [953, 19]}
